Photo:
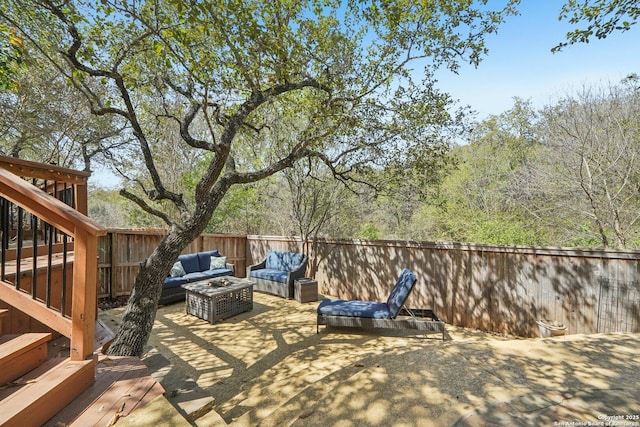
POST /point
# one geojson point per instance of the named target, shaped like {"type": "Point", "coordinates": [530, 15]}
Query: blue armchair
{"type": "Point", "coordinates": [277, 272]}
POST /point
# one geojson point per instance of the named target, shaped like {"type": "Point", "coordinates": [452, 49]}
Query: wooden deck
{"type": "Point", "coordinates": [122, 386]}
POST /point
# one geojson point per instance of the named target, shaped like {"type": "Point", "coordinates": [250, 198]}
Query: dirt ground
{"type": "Point", "coordinates": [269, 367]}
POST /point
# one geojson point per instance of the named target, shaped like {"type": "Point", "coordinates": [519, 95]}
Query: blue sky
{"type": "Point", "coordinates": [520, 62]}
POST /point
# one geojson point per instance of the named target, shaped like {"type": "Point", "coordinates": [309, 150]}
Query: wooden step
{"type": "Point", "coordinates": [44, 391]}
{"type": "Point", "coordinates": [21, 353]}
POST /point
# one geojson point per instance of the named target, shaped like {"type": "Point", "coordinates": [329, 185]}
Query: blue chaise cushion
{"type": "Point", "coordinates": [370, 309]}
{"type": "Point", "coordinates": [283, 261]}
{"type": "Point", "coordinates": [400, 292]}
{"type": "Point", "coordinates": [353, 308]}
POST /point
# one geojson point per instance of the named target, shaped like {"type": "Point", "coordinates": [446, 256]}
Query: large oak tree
{"type": "Point", "coordinates": [251, 87]}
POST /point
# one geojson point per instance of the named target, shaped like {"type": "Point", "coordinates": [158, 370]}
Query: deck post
{"type": "Point", "coordinates": [83, 305]}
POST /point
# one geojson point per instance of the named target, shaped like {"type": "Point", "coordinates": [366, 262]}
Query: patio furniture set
{"type": "Point", "coordinates": [220, 295]}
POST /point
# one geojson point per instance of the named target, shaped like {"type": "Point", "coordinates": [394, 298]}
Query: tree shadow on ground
{"type": "Point", "coordinates": [270, 367]}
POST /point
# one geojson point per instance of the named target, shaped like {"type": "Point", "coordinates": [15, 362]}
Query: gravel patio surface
{"type": "Point", "coordinates": [269, 367]}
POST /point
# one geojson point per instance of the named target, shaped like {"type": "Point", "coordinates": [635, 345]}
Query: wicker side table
{"type": "Point", "coordinates": [305, 289]}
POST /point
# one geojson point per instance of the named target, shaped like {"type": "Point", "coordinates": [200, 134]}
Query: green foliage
{"type": "Point", "coordinates": [45, 120]}
{"type": "Point", "coordinates": [11, 56]}
{"type": "Point", "coordinates": [108, 208]}
{"type": "Point", "coordinates": [477, 201]}
{"type": "Point", "coordinates": [243, 89]}
{"type": "Point", "coordinates": [589, 170]}
{"type": "Point", "coordinates": [239, 212]}
{"type": "Point", "coordinates": [368, 231]}
{"type": "Point", "coordinates": [601, 17]}
{"type": "Point", "coordinates": [566, 175]}
{"type": "Point", "coordinates": [505, 231]}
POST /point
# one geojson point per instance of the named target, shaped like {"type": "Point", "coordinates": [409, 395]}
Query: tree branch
{"type": "Point", "coordinates": [145, 207]}
{"type": "Point", "coordinates": [161, 193]}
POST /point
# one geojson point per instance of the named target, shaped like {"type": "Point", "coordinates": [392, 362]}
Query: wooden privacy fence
{"type": "Point", "coordinates": [121, 251]}
{"type": "Point", "coordinates": [503, 289]}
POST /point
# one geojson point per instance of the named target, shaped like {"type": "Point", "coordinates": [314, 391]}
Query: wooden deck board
{"type": "Point", "coordinates": [122, 398]}
{"type": "Point", "coordinates": [122, 385]}
{"type": "Point", "coordinates": [102, 336]}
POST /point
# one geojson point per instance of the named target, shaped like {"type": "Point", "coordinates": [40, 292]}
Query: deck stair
{"type": "Point", "coordinates": [33, 388]}
{"type": "Point", "coordinates": [20, 354]}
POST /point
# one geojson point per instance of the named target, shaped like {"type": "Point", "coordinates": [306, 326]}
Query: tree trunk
{"type": "Point", "coordinates": [142, 305]}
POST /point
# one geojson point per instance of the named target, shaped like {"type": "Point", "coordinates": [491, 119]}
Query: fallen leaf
{"type": "Point", "coordinates": [115, 417]}
{"type": "Point", "coordinates": [306, 415]}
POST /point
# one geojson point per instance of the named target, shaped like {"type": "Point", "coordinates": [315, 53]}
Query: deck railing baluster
{"type": "Point", "coordinates": [4, 223]}
{"type": "Point", "coordinates": [63, 291]}
{"type": "Point", "coordinates": [34, 258]}
{"type": "Point", "coordinates": [49, 266]}
{"type": "Point", "coordinates": [18, 247]}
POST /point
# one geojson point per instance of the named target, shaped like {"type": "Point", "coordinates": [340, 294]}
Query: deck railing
{"type": "Point", "coordinates": [49, 249]}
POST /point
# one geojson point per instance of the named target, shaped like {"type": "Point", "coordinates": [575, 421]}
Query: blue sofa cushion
{"type": "Point", "coordinates": [196, 266]}
{"type": "Point", "coordinates": [196, 276]}
{"type": "Point", "coordinates": [270, 274]}
{"type": "Point", "coordinates": [190, 262]}
{"type": "Point", "coordinates": [174, 282]}
{"type": "Point", "coordinates": [353, 308]}
{"type": "Point", "coordinates": [400, 291]}
{"type": "Point", "coordinates": [204, 259]}
{"type": "Point", "coordinates": [215, 272]}
{"type": "Point", "coordinates": [283, 261]}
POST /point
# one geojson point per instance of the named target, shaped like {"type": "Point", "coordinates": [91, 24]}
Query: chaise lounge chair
{"type": "Point", "coordinates": [369, 314]}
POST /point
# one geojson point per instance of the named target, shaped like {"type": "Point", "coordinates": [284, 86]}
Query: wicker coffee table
{"type": "Point", "coordinates": [220, 298]}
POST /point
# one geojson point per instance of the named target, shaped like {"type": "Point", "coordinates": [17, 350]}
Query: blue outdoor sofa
{"type": "Point", "coordinates": [192, 268]}
{"type": "Point", "coordinates": [371, 314]}
{"type": "Point", "coordinates": [277, 272]}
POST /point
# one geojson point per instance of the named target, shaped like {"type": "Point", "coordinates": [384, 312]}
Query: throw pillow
{"type": "Point", "coordinates": [218, 262]}
{"type": "Point", "coordinates": [177, 270]}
